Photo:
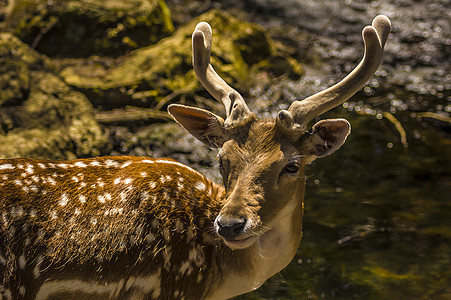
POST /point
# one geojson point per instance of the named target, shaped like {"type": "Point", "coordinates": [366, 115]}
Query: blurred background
{"type": "Point", "coordinates": [88, 78]}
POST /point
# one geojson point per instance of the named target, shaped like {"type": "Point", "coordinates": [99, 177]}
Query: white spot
{"type": "Point", "coordinates": [126, 164]}
{"type": "Point", "coordinates": [20, 166]}
{"type": "Point", "coordinates": [80, 164]}
{"type": "Point", "coordinates": [17, 211]}
{"type": "Point", "coordinates": [166, 196]}
{"type": "Point", "coordinates": [152, 185]}
{"type": "Point", "coordinates": [75, 178]}
{"type": "Point", "coordinates": [108, 196]}
{"type": "Point", "coordinates": [82, 198]}
{"type": "Point", "coordinates": [51, 181]}
{"type": "Point", "coordinates": [53, 214]}
{"type": "Point", "coordinates": [64, 199]}
{"type": "Point", "coordinates": [5, 218]}
{"type": "Point", "coordinates": [64, 166]}
{"type": "Point", "coordinates": [77, 211]}
{"type": "Point", "coordinates": [145, 196]}
{"type": "Point", "coordinates": [109, 163]}
{"type": "Point", "coordinates": [180, 186]}
{"type": "Point", "coordinates": [94, 221]}
{"type": "Point", "coordinates": [200, 186]}
{"type": "Point", "coordinates": [101, 198]}
{"type": "Point", "coordinates": [7, 167]}
{"type": "Point", "coordinates": [143, 174]}
{"type": "Point", "coordinates": [42, 166]}
{"type": "Point", "coordinates": [181, 179]}
{"type": "Point", "coordinates": [21, 262]}
{"type": "Point", "coordinates": [5, 177]}
{"type": "Point", "coordinates": [117, 181]}
{"type": "Point", "coordinates": [113, 211]}
{"type": "Point", "coordinates": [34, 188]}
{"type": "Point", "coordinates": [18, 182]}
{"type": "Point", "coordinates": [33, 213]}
{"type": "Point", "coordinates": [128, 180]}
{"type": "Point", "coordinates": [94, 163]}
{"type": "Point", "coordinates": [123, 196]}
{"type": "Point", "coordinates": [29, 169]}
{"type": "Point", "coordinates": [35, 178]}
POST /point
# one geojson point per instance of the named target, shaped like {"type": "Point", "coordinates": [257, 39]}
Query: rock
{"type": "Point", "coordinates": [40, 115]}
{"type": "Point", "coordinates": [78, 28]}
{"type": "Point", "coordinates": [155, 75]}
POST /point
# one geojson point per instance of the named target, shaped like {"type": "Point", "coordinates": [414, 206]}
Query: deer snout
{"type": "Point", "coordinates": [231, 227]}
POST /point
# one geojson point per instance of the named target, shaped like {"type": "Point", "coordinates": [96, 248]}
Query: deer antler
{"type": "Point", "coordinates": [235, 106]}
{"type": "Point", "coordinates": [374, 37]}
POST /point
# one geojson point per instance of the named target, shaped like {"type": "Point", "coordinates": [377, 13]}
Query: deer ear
{"type": "Point", "coordinates": [202, 124]}
{"type": "Point", "coordinates": [326, 137]}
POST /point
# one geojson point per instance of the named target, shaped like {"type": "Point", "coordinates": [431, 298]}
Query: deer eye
{"type": "Point", "coordinates": [292, 168]}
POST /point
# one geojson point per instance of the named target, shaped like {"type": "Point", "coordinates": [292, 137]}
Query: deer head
{"type": "Point", "coordinates": [262, 162]}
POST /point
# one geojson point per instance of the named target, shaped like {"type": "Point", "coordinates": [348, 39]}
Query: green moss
{"type": "Point", "coordinates": [14, 81]}
{"type": "Point", "coordinates": [240, 52]}
{"type": "Point", "coordinates": [81, 28]}
{"type": "Point", "coordinates": [51, 120]}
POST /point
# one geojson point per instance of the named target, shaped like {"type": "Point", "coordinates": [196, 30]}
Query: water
{"type": "Point", "coordinates": [377, 219]}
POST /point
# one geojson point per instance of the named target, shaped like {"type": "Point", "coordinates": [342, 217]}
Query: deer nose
{"type": "Point", "coordinates": [230, 227]}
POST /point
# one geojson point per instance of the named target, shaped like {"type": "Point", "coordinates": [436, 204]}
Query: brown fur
{"type": "Point", "coordinates": [104, 241]}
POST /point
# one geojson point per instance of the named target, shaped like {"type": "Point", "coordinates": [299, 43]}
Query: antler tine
{"type": "Point", "coordinates": [235, 105]}
{"type": "Point", "coordinates": [374, 38]}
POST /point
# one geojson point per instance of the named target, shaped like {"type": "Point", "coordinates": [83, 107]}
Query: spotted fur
{"type": "Point", "coordinates": [115, 227]}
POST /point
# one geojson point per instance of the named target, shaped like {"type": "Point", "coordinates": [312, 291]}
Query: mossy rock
{"type": "Point", "coordinates": [40, 115]}
{"type": "Point", "coordinates": [80, 28]}
{"type": "Point", "coordinates": [154, 75]}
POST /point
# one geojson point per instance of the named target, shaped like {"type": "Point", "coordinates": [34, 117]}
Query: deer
{"type": "Point", "coordinates": [123, 227]}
